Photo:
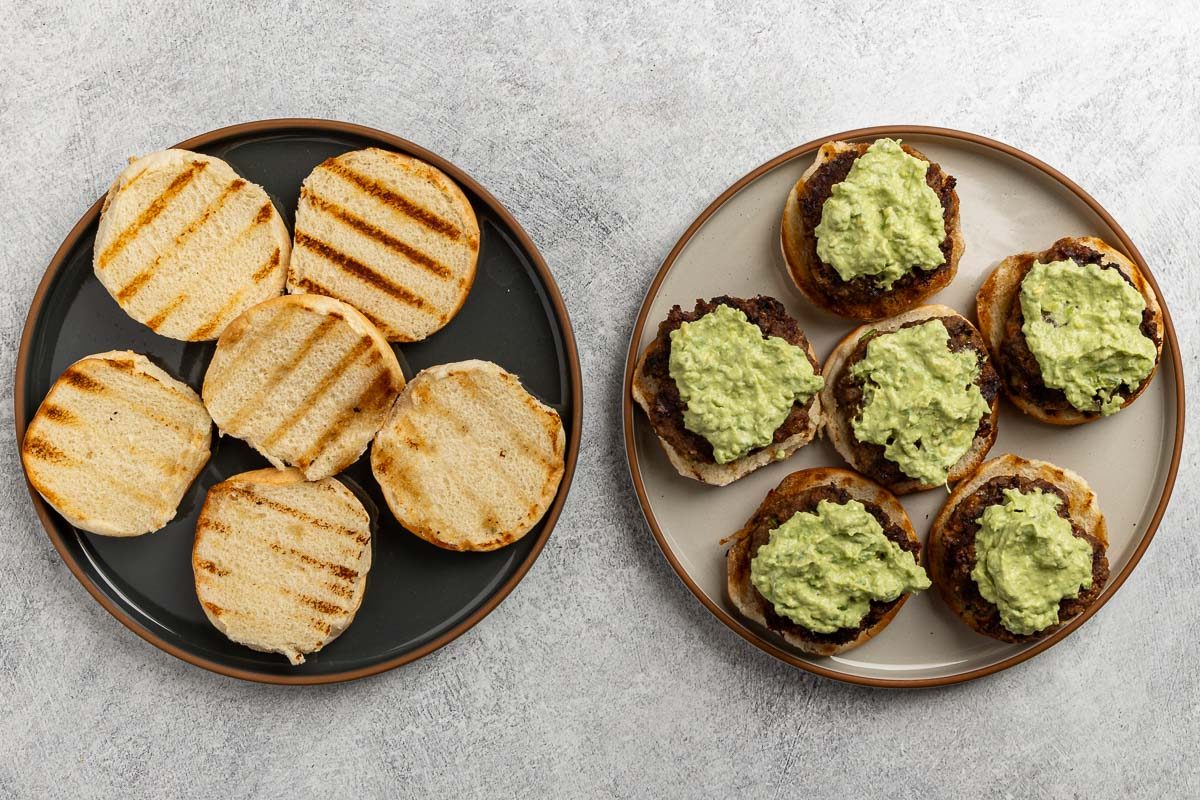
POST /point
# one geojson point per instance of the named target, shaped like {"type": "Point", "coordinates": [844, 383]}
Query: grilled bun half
{"type": "Point", "coordinates": [116, 443]}
{"type": "Point", "coordinates": [859, 298]}
{"type": "Point", "coordinates": [998, 308]}
{"type": "Point", "coordinates": [802, 491]}
{"type": "Point", "coordinates": [656, 392]}
{"type": "Point", "coordinates": [842, 398]}
{"type": "Point", "coordinates": [185, 244]}
{"type": "Point", "coordinates": [305, 380]}
{"type": "Point", "coordinates": [950, 550]}
{"type": "Point", "coordinates": [469, 460]}
{"type": "Point", "coordinates": [280, 562]}
{"type": "Point", "coordinates": [391, 235]}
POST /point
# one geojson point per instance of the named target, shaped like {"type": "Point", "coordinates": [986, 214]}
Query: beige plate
{"type": "Point", "coordinates": [1010, 203]}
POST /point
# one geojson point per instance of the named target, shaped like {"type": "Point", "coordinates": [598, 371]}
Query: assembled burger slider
{"type": "Point", "coordinates": [825, 562]}
{"type": "Point", "coordinates": [1019, 549]}
{"type": "Point", "coordinates": [912, 401]}
{"type": "Point", "coordinates": [729, 387]}
{"type": "Point", "coordinates": [1076, 330]}
{"type": "Point", "coordinates": [871, 230]}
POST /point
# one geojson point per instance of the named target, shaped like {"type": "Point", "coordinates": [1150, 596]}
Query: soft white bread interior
{"type": "Point", "coordinates": [389, 234]}
{"type": "Point", "coordinates": [468, 459]}
{"type": "Point", "coordinates": [753, 606]}
{"type": "Point", "coordinates": [998, 293]}
{"type": "Point", "coordinates": [116, 444]}
{"type": "Point", "coordinates": [306, 380]}
{"type": "Point", "coordinates": [838, 422]}
{"type": "Point", "coordinates": [281, 563]}
{"type": "Point", "coordinates": [185, 244]}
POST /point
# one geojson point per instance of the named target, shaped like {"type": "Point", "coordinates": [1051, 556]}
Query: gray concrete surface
{"type": "Point", "coordinates": [606, 131]}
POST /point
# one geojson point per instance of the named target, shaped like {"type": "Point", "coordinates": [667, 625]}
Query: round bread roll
{"type": "Point", "coordinates": [281, 563]}
{"type": "Point", "coordinates": [999, 310]}
{"type": "Point", "coordinates": [305, 380]}
{"type": "Point", "coordinates": [468, 459]}
{"type": "Point", "coordinates": [869, 458]}
{"type": "Point", "coordinates": [859, 298]}
{"type": "Point", "coordinates": [185, 244]}
{"type": "Point", "coordinates": [389, 234]}
{"type": "Point", "coordinates": [656, 393]}
{"type": "Point", "coordinates": [116, 443]}
{"type": "Point", "coordinates": [951, 547]}
{"type": "Point", "coordinates": [802, 491]}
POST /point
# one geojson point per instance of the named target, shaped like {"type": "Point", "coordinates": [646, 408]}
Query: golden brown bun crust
{"type": "Point", "coordinates": [999, 292]}
{"type": "Point", "coordinates": [1081, 506]}
{"type": "Point", "coordinates": [752, 605]}
{"type": "Point", "coordinates": [800, 255]}
{"type": "Point", "coordinates": [837, 423]}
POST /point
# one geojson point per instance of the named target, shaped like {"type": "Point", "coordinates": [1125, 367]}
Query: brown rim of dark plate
{"type": "Point", "coordinates": [560, 310]}
{"type": "Point", "coordinates": [635, 468]}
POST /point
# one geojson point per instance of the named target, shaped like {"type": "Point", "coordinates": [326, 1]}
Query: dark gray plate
{"type": "Point", "coordinates": [418, 596]}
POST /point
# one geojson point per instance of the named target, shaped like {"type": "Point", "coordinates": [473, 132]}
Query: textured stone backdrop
{"type": "Point", "coordinates": [605, 131]}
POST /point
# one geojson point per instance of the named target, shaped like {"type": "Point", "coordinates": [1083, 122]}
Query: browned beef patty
{"type": "Point", "coordinates": [775, 513]}
{"type": "Point", "coordinates": [666, 406]}
{"type": "Point", "coordinates": [958, 551]}
{"type": "Point", "coordinates": [870, 458]}
{"type": "Point", "coordinates": [817, 190]}
{"type": "Point", "coordinates": [1019, 367]}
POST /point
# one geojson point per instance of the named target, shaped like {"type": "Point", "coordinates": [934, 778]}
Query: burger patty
{"type": "Point", "coordinates": [958, 557]}
{"type": "Point", "coordinates": [1021, 371]}
{"type": "Point", "coordinates": [667, 407]}
{"type": "Point", "coordinates": [779, 510]}
{"type": "Point", "coordinates": [848, 390]}
{"type": "Point", "coordinates": [817, 189]}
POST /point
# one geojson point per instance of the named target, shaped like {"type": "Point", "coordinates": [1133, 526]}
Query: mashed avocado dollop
{"type": "Point", "coordinates": [1083, 325]}
{"type": "Point", "coordinates": [920, 400]}
{"type": "Point", "coordinates": [883, 219]}
{"type": "Point", "coordinates": [737, 385]}
{"type": "Point", "coordinates": [823, 570]}
{"type": "Point", "coordinates": [1027, 560]}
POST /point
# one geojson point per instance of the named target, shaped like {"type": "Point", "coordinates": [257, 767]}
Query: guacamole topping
{"type": "Point", "coordinates": [1083, 325]}
{"type": "Point", "coordinates": [823, 570]}
{"type": "Point", "coordinates": [920, 400]}
{"type": "Point", "coordinates": [738, 386]}
{"type": "Point", "coordinates": [883, 219]}
{"type": "Point", "coordinates": [1027, 560]}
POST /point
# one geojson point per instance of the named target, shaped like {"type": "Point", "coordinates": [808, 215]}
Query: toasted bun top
{"type": "Point", "coordinates": [998, 293]}
{"type": "Point", "coordinates": [306, 380]}
{"type": "Point", "coordinates": [116, 443]}
{"type": "Point", "coordinates": [281, 563]}
{"type": "Point", "coordinates": [185, 244]}
{"type": "Point", "coordinates": [468, 459]}
{"type": "Point", "coordinates": [389, 234]}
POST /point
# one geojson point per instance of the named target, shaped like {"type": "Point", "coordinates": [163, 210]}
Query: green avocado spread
{"type": "Point", "coordinates": [737, 385]}
{"type": "Point", "coordinates": [1083, 325]}
{"type": "Point", "coordinates": [883, 219]}
{"type": "Point", "coordinates": [920, 400]}
{"type": "Point", "coordinates": [1027, 560]}
{"type": "Point", "coordinates": [823, 570]}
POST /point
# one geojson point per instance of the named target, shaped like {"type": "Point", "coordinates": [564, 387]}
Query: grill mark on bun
{"type": "Point", "coordinates": [154, 322]}
{"type": "Point", "coordinates": [263, 214]}
{"type": "Point", "coordinates": [249, 494]}
{"type": "Point", "coordinates": [209, 328]}
{"type": "Point", "coordinates": [279, 374]}
{"type": "Point", "coordinates": [329, 379]}
{"type": "Point", "coordinates": [381, 385]}
{"type": "Point", "coordinates": [362, 272]}
{"type": "Point", "coordinates": [44, 450]}
{"type": "Point", "coordinates": [214, 609]}
{"type": "Point", "coordinates": [323, 606]}
{"type": "Point", "coordinates": [148, 273]}
{"type": "Point", "coordinates": [209, 566]}
{"type": "Point", "coordinates": [395, 201]}
{"type": "Point", "coordinates": [309, 285]}
{"type": "Point", "coordinates": [58, 414]}
{"type": "Point", "coordinates": [85, 383]}
{"type": "Point", "coordinates": [377, 234]}
{"type": "Point", "coordinates": [151, 212]}
{"type": "Point", "coordinates": [338, 570]}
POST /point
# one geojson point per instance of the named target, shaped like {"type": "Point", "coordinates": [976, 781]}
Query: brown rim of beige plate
{"type": "Point", "coordinates": [627, 410]}
{"type": "Point", "coordinates": [44, 512]}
